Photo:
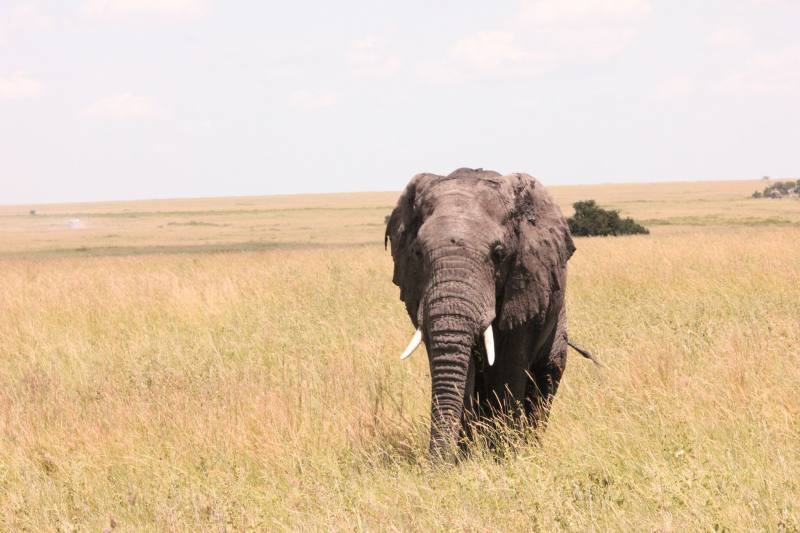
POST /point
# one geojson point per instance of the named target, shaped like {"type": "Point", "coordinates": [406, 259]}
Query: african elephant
{"type": "Point", "coordinates": [481, 262]}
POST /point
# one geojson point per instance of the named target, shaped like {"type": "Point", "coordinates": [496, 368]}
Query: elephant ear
{"type": "Point", "coordinates": [537, 277]}
{"type": "Point", "coordinates": [401, 232]}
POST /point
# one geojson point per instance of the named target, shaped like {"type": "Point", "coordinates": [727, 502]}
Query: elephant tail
{"type": "Point", "coordinates": [584, 352]}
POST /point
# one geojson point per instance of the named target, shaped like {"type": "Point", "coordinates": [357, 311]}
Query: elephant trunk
{"type": "Point", "coordinates": [454, 315]}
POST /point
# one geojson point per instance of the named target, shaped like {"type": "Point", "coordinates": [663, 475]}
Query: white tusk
{"type": "Point", "coordinates": [415, 340]}
{"type": "Point", "coordinates": [488, 341]}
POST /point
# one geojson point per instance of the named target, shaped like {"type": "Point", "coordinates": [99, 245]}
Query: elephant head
{"type": "Point", "coordinates": [476, 255]}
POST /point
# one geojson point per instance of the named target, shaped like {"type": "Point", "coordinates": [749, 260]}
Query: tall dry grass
{"type": "Point", "coordinates": [248, 391]}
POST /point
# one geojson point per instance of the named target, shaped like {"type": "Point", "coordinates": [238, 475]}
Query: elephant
{"type": "Point", "coordinates": [481, 262]}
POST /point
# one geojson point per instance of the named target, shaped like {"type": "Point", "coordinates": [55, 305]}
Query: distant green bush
{"type": "Point", "coordinates": [591, 219]}
{"type": "Point", "coordinates": [779, 189]}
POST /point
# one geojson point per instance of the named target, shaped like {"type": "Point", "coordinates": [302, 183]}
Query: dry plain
{"type": "Point", "coordinates": [232, 364]}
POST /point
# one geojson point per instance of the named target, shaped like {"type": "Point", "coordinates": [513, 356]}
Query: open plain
{"type": "Point", "coordinates": [232, 364]}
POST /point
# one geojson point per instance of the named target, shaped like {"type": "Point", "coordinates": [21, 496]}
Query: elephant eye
{"type": "Point", "coordinates": [498, 253]}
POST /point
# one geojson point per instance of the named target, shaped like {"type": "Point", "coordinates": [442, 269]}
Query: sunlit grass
{"type": "Point", "coordinates": [263, 390]}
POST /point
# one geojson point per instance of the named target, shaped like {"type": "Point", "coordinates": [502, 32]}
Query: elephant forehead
{"type": "Point", "coordinates": [471, 197]}
{"type": "Point", "coordinates": [465, 227]}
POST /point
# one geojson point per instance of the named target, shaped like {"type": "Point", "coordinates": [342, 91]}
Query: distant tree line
{"type": "Point", "coordinates": [590, 219]}
{"type": "Point", "coordinates": [779, 189]}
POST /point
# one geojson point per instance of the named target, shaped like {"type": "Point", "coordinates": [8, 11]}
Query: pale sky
{"type": "Point", "coordinates": [128, 99]}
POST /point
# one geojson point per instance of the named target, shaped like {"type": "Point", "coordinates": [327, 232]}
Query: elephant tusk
{"type": "Point", "coordinates": [488, 341]}
{"type": "Point", "coordinates": [415, 341]}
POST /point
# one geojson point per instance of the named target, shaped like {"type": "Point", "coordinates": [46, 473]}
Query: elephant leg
{"type": "Point", "coordinates": [541, 391]}
{"type": "Point", "coordinates": [507, 380]}
{"type": "Point", "coordinates": [501, 388]}
{"type": "Point", "coordinates": [545, 377]}
{"type": "Point", "coordinates": [496, 397]}
{"type": "Point", "coordinates": [502, 407]}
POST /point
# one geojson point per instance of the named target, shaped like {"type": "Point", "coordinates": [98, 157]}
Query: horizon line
{"type": "Point", "coordinates": [368, 191]}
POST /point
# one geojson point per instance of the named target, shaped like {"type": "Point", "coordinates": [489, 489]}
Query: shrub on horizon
{"type": "Point", "coordinates": [779, 189]}
{"type": "Point", "coordinates": [592, 220]}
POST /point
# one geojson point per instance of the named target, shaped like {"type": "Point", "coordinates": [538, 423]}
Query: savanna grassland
{"type": "Point", "coordinates": [232, 364]}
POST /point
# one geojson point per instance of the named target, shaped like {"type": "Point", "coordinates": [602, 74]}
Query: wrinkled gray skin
{"type": "Point", "coordinates": [476, 248]}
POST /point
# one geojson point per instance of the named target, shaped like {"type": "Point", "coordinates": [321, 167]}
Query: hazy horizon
{"type": "Point", "coordinates": [113, 100]}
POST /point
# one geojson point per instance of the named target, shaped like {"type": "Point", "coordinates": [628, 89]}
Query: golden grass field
{"type": "Point", "coordinates": [232, 364]}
